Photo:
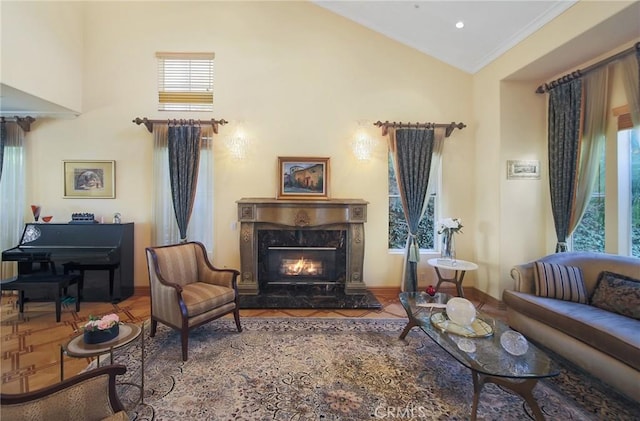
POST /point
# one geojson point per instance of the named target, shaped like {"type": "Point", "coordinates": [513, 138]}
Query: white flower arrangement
{"type": "Point", "coordinates": [450, 226]}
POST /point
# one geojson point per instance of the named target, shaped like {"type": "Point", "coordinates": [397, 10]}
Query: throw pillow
{"type": "Point", "coordinates": [617, 293]}
{"type": "Point", "coordinates": [559, 281]}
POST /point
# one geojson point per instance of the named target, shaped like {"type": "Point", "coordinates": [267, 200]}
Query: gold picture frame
{"type": "Point", "coordinates": [303, 177]}
{"type": "Point", "coordinates": [89, 179]}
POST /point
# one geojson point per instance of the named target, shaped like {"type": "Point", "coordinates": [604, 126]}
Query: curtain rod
{"type": "Point", "coordinates": [450, 127]}
{"type": "Point", "coordinates": [23, 122]}
{"type": "Point", "coordinates": [149, 123]}
{"type": "Point", "coordinates": [576, 74]}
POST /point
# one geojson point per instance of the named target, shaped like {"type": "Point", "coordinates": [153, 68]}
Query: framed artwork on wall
{"type": "Point", "coordinates": [89, 179]}
{"type": "Point", "coordinates": [523, 170]}
{"type": "Point", "coordinates": [303, 177]}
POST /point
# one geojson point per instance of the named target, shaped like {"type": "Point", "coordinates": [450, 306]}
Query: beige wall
{"type": "Point", "coordinates": [300, 79]}
{"type": "Point", "coordinates": [514, 221]}
{"type": "Point", "coordinates": [299, 94]}
{"type": "Point", "coordinates": [42, 50]}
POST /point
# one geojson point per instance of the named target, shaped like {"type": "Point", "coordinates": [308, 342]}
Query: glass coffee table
{"type": "Point", "coordinates": [485, 356]}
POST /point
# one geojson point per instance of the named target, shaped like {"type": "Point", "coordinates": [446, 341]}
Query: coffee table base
{"type": "Point", "coordinates": [523, 388]}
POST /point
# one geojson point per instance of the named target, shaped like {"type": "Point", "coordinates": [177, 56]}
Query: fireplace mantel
{"type": "Point", "coordinates": [257, 214]}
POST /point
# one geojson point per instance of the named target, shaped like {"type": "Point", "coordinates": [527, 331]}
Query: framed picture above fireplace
{"type": "Point", "coordinates": [303, 177]}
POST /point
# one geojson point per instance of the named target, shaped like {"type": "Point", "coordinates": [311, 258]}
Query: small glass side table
{"type": "Point", "coordinates": [129, 332]}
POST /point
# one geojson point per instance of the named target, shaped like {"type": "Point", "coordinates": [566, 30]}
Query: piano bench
{"type": "Point", "coordinates": [22, 283]}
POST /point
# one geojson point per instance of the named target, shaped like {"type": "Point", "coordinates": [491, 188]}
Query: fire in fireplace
{"type": "Point", "coordinates": [302, 265]}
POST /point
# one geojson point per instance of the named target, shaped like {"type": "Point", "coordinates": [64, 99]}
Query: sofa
{"type": "Point", "coordinates": [590, 316]}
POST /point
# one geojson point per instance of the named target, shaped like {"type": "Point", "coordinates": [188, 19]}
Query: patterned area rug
{"type": "Point", "coordinates": [334, 369]}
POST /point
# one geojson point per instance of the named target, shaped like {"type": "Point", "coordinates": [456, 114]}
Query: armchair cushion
{"type": "Point", "coordinates": [200, 297]}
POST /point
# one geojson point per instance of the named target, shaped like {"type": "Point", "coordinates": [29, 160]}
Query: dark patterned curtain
{"type": "Point", "coordinates": [565, 117]}
{"type": "Point", "coordinates": [184, 158]}
{"type": "Point", "coordinates": [3, 141]}
{"type": "Point", "coordinates": [411, 151]}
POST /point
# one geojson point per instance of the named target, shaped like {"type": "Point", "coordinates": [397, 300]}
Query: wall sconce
{"type": "Point", "coordinates": [363, 145]}
{"type": "Point", "coordinates": [237, 144]}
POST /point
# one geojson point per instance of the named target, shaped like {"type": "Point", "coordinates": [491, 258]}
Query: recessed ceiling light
{"type": "Point", "coordinates": [460, 24]}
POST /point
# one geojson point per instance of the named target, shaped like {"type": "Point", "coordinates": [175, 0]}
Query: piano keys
{"type": "Point", "coordinates": [102, 253]}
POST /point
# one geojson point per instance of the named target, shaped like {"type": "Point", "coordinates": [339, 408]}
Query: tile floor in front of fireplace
{"type": "Point", "coordinates": [31, 344]}
{"type": "Point", "coordinates": [310, 296]}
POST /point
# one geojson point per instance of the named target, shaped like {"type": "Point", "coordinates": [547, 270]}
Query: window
{"type": "Point", "coordinates": [629, 142]}
{"type": "Point", "coordinates": [590, 233]}
{"type": "Point", "coordinates": [185, 81]}
{"type": "Point", "coordinates": [398, 229]}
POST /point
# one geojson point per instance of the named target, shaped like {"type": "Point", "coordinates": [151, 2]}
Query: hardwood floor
{"type": "Point", "coordinates": [30, 345]}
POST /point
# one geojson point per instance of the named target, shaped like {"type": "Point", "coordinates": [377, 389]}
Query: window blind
{"type": "Point", "coordinates": [624, 117]}
{"type": "Point", "coordinates": [185, 81]}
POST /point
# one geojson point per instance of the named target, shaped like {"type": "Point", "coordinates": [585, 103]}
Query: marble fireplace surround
{"type": "Point", "coordinates": [257, 214]}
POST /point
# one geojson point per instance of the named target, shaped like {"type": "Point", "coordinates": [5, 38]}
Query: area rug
{"type": "Point", "coordinates": [334, 369]}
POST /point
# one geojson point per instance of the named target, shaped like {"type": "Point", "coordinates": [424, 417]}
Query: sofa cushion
{"type": "Point", "coordinates": [608, 332]}
{"type": "Point", "coordinates": [617, 293]}
{"type": "Point", "coordinates": [559, 281]}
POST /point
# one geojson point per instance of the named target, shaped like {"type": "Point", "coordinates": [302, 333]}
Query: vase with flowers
{"type": "Point", "coordinates": [447, 228]}
{"type": "Point", "coordinates": [101, 329]}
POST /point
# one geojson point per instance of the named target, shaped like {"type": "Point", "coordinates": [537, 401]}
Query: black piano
{"type": "Point", "coordinates": [102, 253]}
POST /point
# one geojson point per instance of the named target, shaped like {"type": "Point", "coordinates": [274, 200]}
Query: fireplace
{"type": "Point", "coordinates": [301, 256]}
{"type": "Point", "coordinates": [298, 242]}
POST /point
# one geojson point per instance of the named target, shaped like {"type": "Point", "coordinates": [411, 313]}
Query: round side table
{"type": "Point", "coordinates": [129, 332]}
{"type": "Point", "coordinates": [460, 267]}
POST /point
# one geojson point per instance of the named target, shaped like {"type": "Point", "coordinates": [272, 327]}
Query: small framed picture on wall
{"type": "Point", "coordinates": [523, 170]}
{"type": "Point", "coordinates": [89, 179]}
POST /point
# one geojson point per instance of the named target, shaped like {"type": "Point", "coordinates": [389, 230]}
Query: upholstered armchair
{"type": "Point", "coordinates": [89, 396]}
{"type": "Point", "coordinates": [187, 291]}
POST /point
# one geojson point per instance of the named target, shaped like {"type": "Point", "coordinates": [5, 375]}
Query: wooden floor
{"type": "Point", "coordinates": [30, 345]}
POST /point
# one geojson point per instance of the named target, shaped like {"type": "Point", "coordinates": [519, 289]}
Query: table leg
{"type": "Point", "coordinates": [459, 282]}
{"type": "Point", "coordinates": [77, 298]}
{"type": "Point", "coordinates": [477, 388]}
{"type": "Point", "coordinates": [412, 323]}
{"type": "Point", "coordinates": [21, 302]}
{"type": "Point", "coordinates": [61, 363]}
{"type": "Point", "coordinates": [457, 278]}
{"type": "Point", "coordinates": [142, 365]}
{"type": "Point", "coordinates": [524, 388]}
{"type": "Point", "coordinates": [59, 303]}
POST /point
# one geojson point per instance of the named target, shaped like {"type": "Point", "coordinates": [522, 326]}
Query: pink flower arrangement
{"type": "Point", "coordinates": [105, 323]}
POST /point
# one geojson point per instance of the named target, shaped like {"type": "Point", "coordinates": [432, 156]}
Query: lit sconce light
{"type": "Point", "coordinates": [363, 145]}
{"type": "Point", "coordinates": [237, 144]}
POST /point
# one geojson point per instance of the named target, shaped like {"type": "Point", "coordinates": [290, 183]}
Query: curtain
{"type": "Point", "coordinates": [411, 152]}
{"type": "Point", "coordinates": [165, 227]}
{"type": "Point", "coordinates": [184, 160]}
{"type": "Point", "coordinates": [565, 103]}
{"type": "Point", "coordinates": [3, 137]}
{"type": "Point", "coordinates": [630, 65]}
{"type": "Point", "coordinates": [12, 193]}
{"type": "Point", "coordinates": [592, 143]}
